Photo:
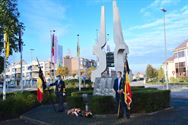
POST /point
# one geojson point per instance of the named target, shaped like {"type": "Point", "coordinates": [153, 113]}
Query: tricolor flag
{"type": "Point", "coordinates": [78, 47]}
{"type": "Point", "coordinates": [127, 88]}
{"type": "Point", "coordinates": [41, 85]}
{"type": "Point", "coordinates": [7, 44]}
{"type": "Point", "coordinates": [54, 48]}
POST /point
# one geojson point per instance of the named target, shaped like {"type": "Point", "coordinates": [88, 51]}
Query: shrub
{"type": "Point", "coordinates": [150, 100]}
{"type": "Point", "coordinates": [102, 104]}
{"type": "Point", "coordinates": [79, 93]}
{"type": "Point", "coordinates": [173, 80]}
{"type": "Point", "coordinates": [75, 102]}
{"type": "Point", "coordinates": [144, 100]}
{"type": "Point", "coordinates": [16, 104]}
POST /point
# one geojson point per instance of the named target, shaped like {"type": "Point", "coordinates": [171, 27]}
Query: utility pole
{"type": "Point", "coordinates": [165, 52]}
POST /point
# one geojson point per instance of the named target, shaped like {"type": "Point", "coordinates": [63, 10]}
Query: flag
{"type": "Point", "coordinates": [7, 44]}
{"type": "Point", "coordinates": [39, 90]}
{"type": "Point", "coordinates": [127, 88]}
{"type": "Point", "coordinates": [41, 85]}
{"type": "Point", "coordinates": [54, 48]}
{"type": "Point", "coordinates": [78, 48]}
{"type": "Point", "coordinates": [20, 40]}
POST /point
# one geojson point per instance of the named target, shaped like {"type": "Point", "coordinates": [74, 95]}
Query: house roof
{"type": "Point", "coordinates": [183, 45]}
{"type": "Point", "coordinates": [170, 59]}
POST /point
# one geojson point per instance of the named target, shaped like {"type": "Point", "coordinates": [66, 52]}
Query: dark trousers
{"type": "Point", "coordinates": [60, 100]}
{"type": "Point", "coordinates": [121, 106]}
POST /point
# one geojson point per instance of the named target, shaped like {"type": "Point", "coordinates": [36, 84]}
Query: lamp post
{"type": "Point", "coordinates": [31, 50]}
{"type": "Point", "coordinates": [165, 52]}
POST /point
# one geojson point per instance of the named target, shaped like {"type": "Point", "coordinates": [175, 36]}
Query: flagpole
{"type": "Point", "coordinates": [21, 64]}
{"type": "Point", "coordinates": [78, 54]}
{"type": "Point", "coordinates": [4, 82]}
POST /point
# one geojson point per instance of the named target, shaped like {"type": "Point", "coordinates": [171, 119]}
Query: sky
{"type": "Point", "coordinates": [142, 24]}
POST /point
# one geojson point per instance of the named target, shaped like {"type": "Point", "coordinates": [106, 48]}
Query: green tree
{"type": "Point", "coordinates": [63, 71]}
{"type": "Point", "coordinates": [151, 72]}
{"type": "Point", "coordinates": [160, 74]}
{"type": "Point", "coordinates": [9, 22]}
{"type": "Point", "coordinates": [89, 71]}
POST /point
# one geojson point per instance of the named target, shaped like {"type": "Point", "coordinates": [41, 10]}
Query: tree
{"type": "Point", "coordinates": [62, 71]}
{"type": "Point", "coordinates": [9, 22]}
{"type": "Point", "coordinates": [89, 71]}
{"type": "Point", "coordinates": [160, 74]}
{"type": "Point", "coordinates": [151, 73]}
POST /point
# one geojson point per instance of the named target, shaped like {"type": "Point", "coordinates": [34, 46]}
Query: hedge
{"type": "Point", "coordinates": [150, 100]}
{"type": "Point", "coordinates": [18, 103]}
{"type": "Point", "coordinates": [79, 93]}
{"type": "Point", "coordinates": [144, 100]}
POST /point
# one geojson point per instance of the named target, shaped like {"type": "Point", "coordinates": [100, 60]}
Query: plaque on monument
{"type": "Point", "coordinates": [104, 87]}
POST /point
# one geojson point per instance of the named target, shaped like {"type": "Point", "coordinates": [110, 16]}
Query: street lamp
{"type": "Point", "coordinates": [165, 52]}
{"type": "Point", "coordinates": [31, 50]}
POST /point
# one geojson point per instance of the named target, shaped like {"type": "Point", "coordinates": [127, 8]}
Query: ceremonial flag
{"type": "Point", "coordinates": [7, 44]}
{"type": "Point", "coordinates": [127, 87]}
{"type": "Point", "coordinates": [78, 46]}
{"type": "Point", "coordinates": [41, 85]}
{"type": "Point", "coordinates": [54, 48]}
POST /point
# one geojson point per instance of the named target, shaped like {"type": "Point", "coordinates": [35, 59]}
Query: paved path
{"type": "Point", "coordinates": [176, 116]}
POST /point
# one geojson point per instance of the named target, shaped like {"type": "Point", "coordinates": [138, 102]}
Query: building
{"type": "Point", "coordinates": [72, 64]}
{"type": "Point", "coordinates": [177, 65]}
{"type": "Point", "coordinates": [29, 71]}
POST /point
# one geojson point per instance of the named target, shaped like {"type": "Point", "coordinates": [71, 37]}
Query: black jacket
{"type": "Point", "coordinates": [59, 86]}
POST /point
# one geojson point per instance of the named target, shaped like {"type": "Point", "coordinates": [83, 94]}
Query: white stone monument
{"type": "Point", "coordinates": [121, 49]}
{"type": "Point", "coordinates": [104, 86]}
{"type": "Point", "coordinates": [98, 48]}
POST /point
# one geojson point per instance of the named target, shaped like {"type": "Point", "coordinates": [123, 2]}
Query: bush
{"type": "Point", "coordinates": [102, 104]}
{"type": "Point", "coordinates": [144, 100]}
{"type": "Point", "coordinates": [150, 100]}
{"type": "Point", "coordinates": [75, 102]}
{"type": "Point", "coordinates": [79, 93]}
{"type": "Point", "coordinates": [16, 104]}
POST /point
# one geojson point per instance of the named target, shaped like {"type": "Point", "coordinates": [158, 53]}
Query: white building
{"type": "Point", "coordinates": [29, 71]}
{"type": "Point", "coordinates": [177, 65]}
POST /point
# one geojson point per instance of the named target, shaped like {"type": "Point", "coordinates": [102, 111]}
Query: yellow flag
{"type": "Point", "coordinates": [7, 44]}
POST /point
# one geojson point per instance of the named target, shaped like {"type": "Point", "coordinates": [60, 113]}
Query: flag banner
{"type": "Point", "coordinates": [78, 49]}
{"type": "Point", "coordinates": [127, 87]}
{"type": "Point", "coordinates": [54, 48]}
{"type": "Point", "coordinates": [60, 55]}
{"type": "Point", "coordinates": [7, 44]}
{"type": "Point", "coordinates": [39, 90]}
{"type": "Point", "coordinates": [41, 84]}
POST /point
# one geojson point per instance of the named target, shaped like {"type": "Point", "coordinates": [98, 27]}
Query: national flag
{"type": "Point", "coordinates": [54, 48]}
{"type": "Point", "coordinates": [127, 88]}
{"type": "Point", "coordinates": [41, 85]}
{"type": "Point", "coordinates": [7, 45]}
{"type": "Point", "coordinates": [78, 47]}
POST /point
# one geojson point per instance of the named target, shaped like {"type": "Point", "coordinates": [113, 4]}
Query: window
{"type": "Point", "coordinates": [181, 54]}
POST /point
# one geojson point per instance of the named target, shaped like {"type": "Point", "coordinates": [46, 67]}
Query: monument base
{"type": "Point", "coordinates": [104, 86]}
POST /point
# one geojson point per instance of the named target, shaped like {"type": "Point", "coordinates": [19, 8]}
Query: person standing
{"type": "Point", "coordinates": [119, 96]}
{"type": "Point", "coordinates": [60, 92]}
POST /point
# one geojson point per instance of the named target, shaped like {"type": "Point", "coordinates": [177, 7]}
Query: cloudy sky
{"type": "Point", "coordinates": [142, 24]}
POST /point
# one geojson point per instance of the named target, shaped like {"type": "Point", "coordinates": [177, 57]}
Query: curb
{"type": "Point", "coordinates": [34, 121]}
{"type": "Point", "coordinates": [134, 114]}
{"type": "Point", "coordinates": [166, 109]}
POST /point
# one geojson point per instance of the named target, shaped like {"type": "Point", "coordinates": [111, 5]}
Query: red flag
{"type": "Point", "coordinates": [39, 90]}
{"type": "Point", "coordinates": [127, 88]}
{"type": "Point", "coordinates": [127, 92]}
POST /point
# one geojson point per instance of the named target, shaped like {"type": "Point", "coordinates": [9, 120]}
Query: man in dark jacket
{"type": "Point", "coordinates": [118, 88]}
{"type": "Point", "coordinates": [60, 92]}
